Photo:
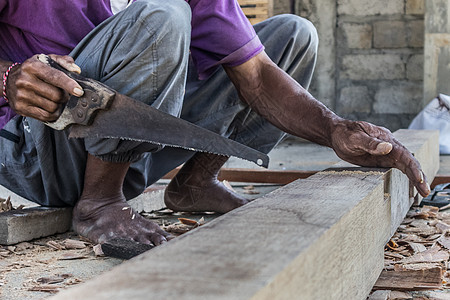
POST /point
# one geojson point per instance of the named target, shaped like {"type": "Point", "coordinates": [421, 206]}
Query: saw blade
{"type": "Point", "coordinates": [134, 120]}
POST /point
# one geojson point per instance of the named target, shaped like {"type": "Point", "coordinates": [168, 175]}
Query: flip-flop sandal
{"type": "Point", "coordinates": [439, 196]}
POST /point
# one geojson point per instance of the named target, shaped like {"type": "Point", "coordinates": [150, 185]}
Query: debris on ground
{"type": "Point", "coordinates": [182, 226]}
{"type": "Point", "coordinates": [6, 205]}
{"type": "Point", "coordinates": [416, 258]}
{"type": "Point", "coordinates": [250, 190]}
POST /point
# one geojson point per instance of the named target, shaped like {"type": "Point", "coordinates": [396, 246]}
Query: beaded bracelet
{"type": "Point", "coordinates": [5, 78]}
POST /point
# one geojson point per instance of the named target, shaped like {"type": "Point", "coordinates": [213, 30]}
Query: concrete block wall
{"type": "Point", "coordinates": [370, 63]}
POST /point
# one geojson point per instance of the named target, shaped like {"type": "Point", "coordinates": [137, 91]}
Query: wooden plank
{"type": "Point", "coordinates": [281, 177]}
{"type": "Point", "coordinates": [292, 236]}
{"type": "Point", "coordinates": [429, 278]}
{"type": "Point", "coordinates": [440, 179]}
{"type": "Point", "coordinates": [329, 229]}
{"type": "Point", "coordinates": [252, 2]}
{"type": "Point", "coordinates": [257, 10]}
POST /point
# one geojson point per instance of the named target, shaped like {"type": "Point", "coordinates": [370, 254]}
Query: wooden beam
{"type": "Point", "coordinates": [318, 238]}
{"type": "Point", "coordinates": [440, 179]}
{"type": "Point", "coordinates": [281, 177]}
{"type": "Point", "coordinates": [253, 250]}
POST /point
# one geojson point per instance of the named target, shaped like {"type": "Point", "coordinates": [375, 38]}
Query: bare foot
{"type": "Point", "coordinates": [183, 195]}
{"type": "Point", "coordinates": [196, 187]}
{"type": "Point", "coordinates": [100, 221]}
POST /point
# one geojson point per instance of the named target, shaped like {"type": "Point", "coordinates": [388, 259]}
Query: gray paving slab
{"type": "Point", "coordinates": [30, 223]}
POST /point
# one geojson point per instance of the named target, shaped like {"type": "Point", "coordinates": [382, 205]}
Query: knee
{"type": "Point", "coordinates": [298, 31]}
{"type": "Point", "coordinates": [173, 17]}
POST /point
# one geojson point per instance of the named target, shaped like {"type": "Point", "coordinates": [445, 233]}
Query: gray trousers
{"type": "Point", "coordinates": [143, 52]}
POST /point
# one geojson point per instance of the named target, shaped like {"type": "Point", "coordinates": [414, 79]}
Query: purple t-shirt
{"type": "Point", "coordinates": [221, 34]}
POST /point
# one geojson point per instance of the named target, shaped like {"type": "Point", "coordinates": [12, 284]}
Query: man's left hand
{"type": "Point", "coordinates": [365, 144]}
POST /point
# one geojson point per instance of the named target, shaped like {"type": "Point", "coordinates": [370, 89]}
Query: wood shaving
{"type": "Point", "coordinates": [5, 204]}
{"type": "Point", "coordinates": [70, 255]}
{"type": "Point", "coordinates": [55, 245]}
{"type": "Point", "coordinates": [421, 244]}
{"type": "Point", "coordinates": [184, 225]}
{"type": "Point", "coordinates": [98, 250]}
{"type": "Point", "coordinates": [74, 244]}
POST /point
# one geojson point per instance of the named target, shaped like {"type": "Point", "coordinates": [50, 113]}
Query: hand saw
{"type": "Point", "coordinates": [104, 113]}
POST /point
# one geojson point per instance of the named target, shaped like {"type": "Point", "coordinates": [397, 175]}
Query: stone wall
{"type": "Point", "coordinates": [437, 48]}
{"type": "Point", "coordinates": [370, 62]}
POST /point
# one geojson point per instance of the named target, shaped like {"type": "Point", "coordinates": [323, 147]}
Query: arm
{"type": "Point", "coordinates": [37, 90]}
{"type": "Point", "coordinates": [286, 104]}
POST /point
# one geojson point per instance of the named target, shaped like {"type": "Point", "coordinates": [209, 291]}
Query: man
{"type": "Point", "coordinates": [200, 60]}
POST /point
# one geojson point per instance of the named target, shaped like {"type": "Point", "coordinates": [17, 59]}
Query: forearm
{"type": "Point", "coordinates": [281, 100]}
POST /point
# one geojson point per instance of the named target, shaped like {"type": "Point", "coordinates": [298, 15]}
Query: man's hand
{"type": "Point", "coordinates": [37, 90]}
{"type": "Point", "coordinates": [287, 105]}
{"type": "Point", "coordinates": [365, 144]}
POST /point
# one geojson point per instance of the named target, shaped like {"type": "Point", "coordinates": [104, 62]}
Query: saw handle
{"type": "Point", "coordinates": [80, 110]}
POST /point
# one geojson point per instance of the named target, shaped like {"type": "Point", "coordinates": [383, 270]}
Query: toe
{"type": "Point", "coordinates": [157, 239]}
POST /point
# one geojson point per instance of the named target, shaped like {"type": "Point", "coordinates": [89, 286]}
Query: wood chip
{"type": "Point", "coordinates": [444, 240]}
{"type": "Point", "coordinates": [398, 295]}
{"type": "Point", "coordinates": [70, 255]}
{"type": "Point", "coordinates": [442, 226]}
{"type": "Point", "coordinates": [54, 245]}
{"type": "Point", "coordinates": [177, 228]}
{"type": "Point", "coordinates": [394, 255]}
{"type": "Point", "coordinates": [422, 231]}
{"type": "Point", "coordinates": [251, 192]}
{"type": "Point", "coordinates": [417, 248]}
{"type": "Point", "coordinates": [49, 280]}
{"type": "Point", "coordinates": [5, 204]}
{"type": "Point", "coordinates": [420, 223]}
{"type": "Point", "coordinates": [74, 244]}
{"type": "Point", "coordinates": [98, 250]}
{"type": "Point", "coordinates": [189, 222]}
{"type": "Point", "coordinates": [73, 281]}
{"type": "Point", "coordinates": [430, 255]}
{"type": "Point", "coordinates": [422, 279]}
{"type": "Point", "coordinates": [45, 288]}
{"type": "Point", "coordinates": [380, 295]}
{"type": "Point", "coordinates": [416, 267]}
{"type": "Point", "coordinates": [425, 212]}
{"type": "Point", "coordinates": [21, 247]}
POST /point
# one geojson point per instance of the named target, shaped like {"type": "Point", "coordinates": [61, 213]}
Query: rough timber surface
{"type": "Point", "coordinates": [251, 251]}
{"type": "Point", "coordinates": [318, 238]}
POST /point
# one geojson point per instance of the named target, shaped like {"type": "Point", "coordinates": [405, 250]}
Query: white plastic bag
{"type": "Point", "coordinates": [436, 115]}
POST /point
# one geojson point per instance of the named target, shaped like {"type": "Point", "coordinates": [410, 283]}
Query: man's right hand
{"type": "Point", "coordinates": [37, 90]}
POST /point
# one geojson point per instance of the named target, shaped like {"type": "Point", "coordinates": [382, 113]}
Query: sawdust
{"type": "Point", "coordinates": [41, 268]}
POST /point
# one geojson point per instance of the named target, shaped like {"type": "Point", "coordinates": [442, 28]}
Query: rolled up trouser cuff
{"type": "Point", "coordinates": [120, 158]}
{"type": "Point", "coordinates": [120, 150]}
